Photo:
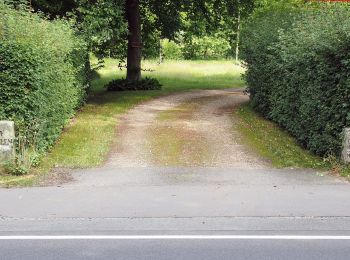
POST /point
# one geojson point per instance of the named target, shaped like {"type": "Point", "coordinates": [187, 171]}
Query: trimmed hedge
{"type": "Point", "coordinates": [298, 72]}
{"type": "Point", "coordinates": [43, 74]}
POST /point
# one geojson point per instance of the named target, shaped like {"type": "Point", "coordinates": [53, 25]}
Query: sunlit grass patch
{"type": "Point", "coordinates": [273, 143]}
{"type": "Point", "coordinates": [183, 75]}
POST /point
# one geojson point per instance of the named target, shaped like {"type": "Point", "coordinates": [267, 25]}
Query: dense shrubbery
{"type": "Point", "coordinates": [197, 48]}
{"type": "Point", "coordinates": [206, 48]}
{"type": "Point", "coordinates": [171, 50]}
{"type": "Point", "coordinates": [125, 85]}
{"type": "Point", "coordinates": [299, 72]}
{"type": "Point", "coordinates": [43, 75]}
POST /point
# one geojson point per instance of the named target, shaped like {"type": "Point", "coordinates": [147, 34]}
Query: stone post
{"type": "Point", "coordinates": [7, 141]}
{"type": "Point", "coordinates": [346, 146]}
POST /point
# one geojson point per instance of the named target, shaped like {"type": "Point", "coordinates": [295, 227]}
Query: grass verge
{"type": "Point", "coordinates": [275, 144]}
{"type": "Point", "coordinates": [86, 141]}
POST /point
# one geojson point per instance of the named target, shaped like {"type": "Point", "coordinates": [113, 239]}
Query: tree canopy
{"type": "Point", "coordinates": [125, 28]}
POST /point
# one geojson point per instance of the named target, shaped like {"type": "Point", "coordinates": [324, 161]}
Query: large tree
{"type": "Point", "coordinates": [220, 19]}
{"type": "Point", "coordinates": [132, 9]}
{"type": "Point", "coordinates": [124, 28]}
{"type": "Point", "coordinates": [192, 17]}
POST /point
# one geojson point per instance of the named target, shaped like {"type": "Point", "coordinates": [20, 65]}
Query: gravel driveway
{"type": "Point", "coordinates": [189, 129]}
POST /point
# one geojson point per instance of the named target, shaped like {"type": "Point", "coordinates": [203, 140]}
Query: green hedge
{"type": "Point", "coordinates": [298, 72]}
{"type": "Point", "coordinates": [43, 74]}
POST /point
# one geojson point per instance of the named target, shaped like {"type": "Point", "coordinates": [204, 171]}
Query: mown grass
{"type": "Point", "coordinates": [87, 140]}
{"type": "Point", "coordinates": [275, 144]}
{"type": "Point", "coordinates": [182, 75]}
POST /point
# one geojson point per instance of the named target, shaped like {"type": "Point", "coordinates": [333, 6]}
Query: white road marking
{"type": "Point", "coordinates": [174, 237]}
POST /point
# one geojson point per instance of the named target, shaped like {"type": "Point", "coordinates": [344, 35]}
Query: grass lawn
{"type": "Point", "coordinates": [87, 139]}
{"type": "Point", "coordinates": [181, 75]}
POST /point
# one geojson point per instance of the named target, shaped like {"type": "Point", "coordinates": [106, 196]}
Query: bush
{"type": "Point", "coordinates": [258, 36]}
{"type": "Point", "coordinates": [125, 85]}
{"type": "Point", "coordinates": [298, 72]}
{"type": "Point", "coordinates": [197, 48]}
{"type": "Point", "coordinates": [171, 50]}
{"type": "Point", "coordinates": [43, 75]}
{"type": "Point", "coordinates": [206, 48]}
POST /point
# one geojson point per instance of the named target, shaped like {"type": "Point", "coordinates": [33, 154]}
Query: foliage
{"type": "Point", "coordinates": [259, 34]}
{"type": "Point", "coordinates": [22, 161]}
{"type": "Point", "coordinates": [125, 85]}
{"type": "Point", "coordinates": [198, 48]}
{"type": "Point", "coordinates": [16, 168]}
{"type": "Point", "coordinates": [171, 50]}
{"type": "Point", "coordinates": [43, 75]}
{"type": "Point", "coordinates": [298, 72]}
{"type": "Point", "coordinates": [200, 24]}
{"type": "Point", "coordinates": [206, 48]}
{"type": "Point", "coordinates": [54, 8]}
{"type": "Point", "coordinates": [103, 25]}
{"type": "Point", "coordinates": [104, 22]}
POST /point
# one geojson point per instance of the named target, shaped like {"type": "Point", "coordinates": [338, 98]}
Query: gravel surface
{"type": "Point", "coordinates": [210, 122]}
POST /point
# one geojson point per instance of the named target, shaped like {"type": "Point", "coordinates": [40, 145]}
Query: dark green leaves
{"type": "Point", "coordinates": [298, 62]}
{"type": "Point", "coordinates": [43, 77]}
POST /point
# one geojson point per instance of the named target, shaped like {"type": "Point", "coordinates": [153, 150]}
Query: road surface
{"type": "Point", "coordinates": [149, 204]}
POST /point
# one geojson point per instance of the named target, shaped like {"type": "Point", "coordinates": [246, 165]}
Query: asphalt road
{"type": "Point", "coordinates": [175, 249]}
{"type": "Point", "coordinates": [94, 216]}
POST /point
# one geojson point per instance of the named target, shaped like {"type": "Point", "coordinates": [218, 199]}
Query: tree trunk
{"type": "Point", "coordinates": [238, 34]}
{"type": "Point", "coordinates": [134, 41]}
{"type": "Point", "coordinates": [160, 51]}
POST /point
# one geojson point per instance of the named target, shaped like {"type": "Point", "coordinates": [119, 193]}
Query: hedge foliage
{"type": "Point", "coordinates": [298, 71]}
{"type": "Point", "coordinates": [43, 74]}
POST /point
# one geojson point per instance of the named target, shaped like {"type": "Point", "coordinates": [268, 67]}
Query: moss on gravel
{"type": "Point", "coordinates": [174, 145]}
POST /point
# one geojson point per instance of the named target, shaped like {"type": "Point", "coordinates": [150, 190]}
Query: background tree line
{"type": "Point", "coordinates": [134, 29]}
{"type": "Point", "coordinates": [201, 29]}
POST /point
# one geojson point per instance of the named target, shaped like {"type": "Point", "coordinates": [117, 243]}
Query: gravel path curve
{"type": "Point", "coordinates": [205, 131]}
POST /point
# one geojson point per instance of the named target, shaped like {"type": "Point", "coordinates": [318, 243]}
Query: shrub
{"type": "Point", "coordinates": [197, 48]}
{"type": "Point", "coordinates": [299, 72]}
{"type": "Point", "coordinates": [206, 48]}
{"type": "Point", "coordinates": [171, 50]}
{"type": "Point", "coordinates": [43, 74]}
{"type": "Point", "coordinates": [258, 37]}
{"type": "Point", "coordinates": [125, 85]}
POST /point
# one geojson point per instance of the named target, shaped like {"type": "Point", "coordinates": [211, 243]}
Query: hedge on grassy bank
{"type": "Point", "coordinates": [43, 74]}
{"type": "Point", "coordinates": [298, 72]}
